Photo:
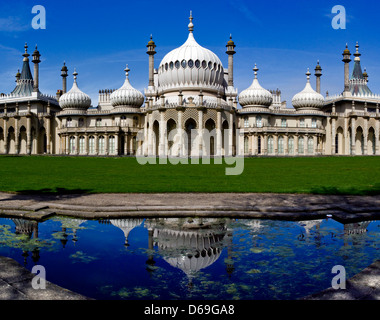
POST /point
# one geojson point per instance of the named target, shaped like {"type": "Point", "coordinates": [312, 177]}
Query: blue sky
{"type": "Point", "coordinates": [284, 38]}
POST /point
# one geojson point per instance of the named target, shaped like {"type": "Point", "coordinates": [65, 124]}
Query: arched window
{"type": "Point", "coordinates": [111, 148]}
{"type": "Point", "coordinates": [310, 145]}
{"type": "Point", "coordinates": [80, 122]}
{"type": "Point", "coordinates": [101, 144]}
{"type": "Point", "coordinates": [123, 121]}
{"type": "Point", "coordinates": [246, 122]}
{"type": "Point", "coordinates": [291, 145]}
{"type": "Point", "coordinates": [72, 144]}
{"type": "Point", "coordinates": [283, 123]}
{"type": "Point", "coordinates": [281, 145]}
{"type": "Point", "coordinates": [259, 144]}
{"type": "Point", "coordinates": [91, 144]}
{"type": "Point", "coordinates": [270, 145]}
{"type": "Point", "coordinates": [246, 145]}
{"type": "Point", "coordinates": [259, 122]}
{"type": "Point", "coordinates": [313, 123]}
{"type": "Point", "coordinates": [301, 145]}
{"type": "Point", "coordinates": [69, 122]}
{"type": "Point", "coordinates": [302, 123]}
{"type": "Point", "coordinates": [135, 122]}
{"type": "Point", "coordinates": [81, 145]}
{"type": "Point", "coordinates": [99, 122]}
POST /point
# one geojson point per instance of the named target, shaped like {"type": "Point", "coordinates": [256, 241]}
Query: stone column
{"type": "Point", "coordinates": [200, 131]}
{"type": "Point", "coordinates": [162, 138]}
{"type": "Point", "coordinates": [67, 143]}
{"type": "Point", "coordinates": [333, 136]}
{"type": "Point", "coordinates": [86, 144]}
{"type": "Point", "coordinates": [365, 136]}
{"type": "Point", "coordinates": [96, 144]}
{"type": "Point", "coordinates": [218, 133]}
{"type": "Point", "coordinates": [131, 151]}
{"type": "Point", "coordinates": [180, 131]}
{"type": "Point", "coordinates": [48, 135]}
{"type": "Point", "coordinates": [28, 134]}
{"type": "Point", "coordinates": [286, 144]}
{"type": "Point", "coordinates": [353, 137]}
{"type": "Point", "coordinates": [125, 146]}
{"type": "Point", "coordinates": [231, 133]}
{"type": "Point", "coordinates": [145, 145]}
{"type": "Point", "coordinates": [16, 136]}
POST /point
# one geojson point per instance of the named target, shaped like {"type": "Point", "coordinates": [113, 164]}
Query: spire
{"type": "Point", "coordinates": [191, 25]}
{"type": "Point", "coordinates": [127, 71]}
{"type": "Point", "coordinates": [75, 73]}
{"type": "Point", "coordinates": [357, 54]}
{"type": "Point", "coordinates": [26, 54]}
{"type": "Point", "coordinates": [308, 75]}
{"type": "Point", "coordinates": [255, 69]}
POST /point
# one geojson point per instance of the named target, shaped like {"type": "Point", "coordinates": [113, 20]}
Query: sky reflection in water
{"type": "Point", "coordinates": [191, 258]}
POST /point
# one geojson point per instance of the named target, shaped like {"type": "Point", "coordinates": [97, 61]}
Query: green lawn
{"type": "Point", "coordinates": [324, 175]}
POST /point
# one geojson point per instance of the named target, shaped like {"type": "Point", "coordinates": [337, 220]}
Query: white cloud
{"type": "Point", "coordinates": [13, 24]}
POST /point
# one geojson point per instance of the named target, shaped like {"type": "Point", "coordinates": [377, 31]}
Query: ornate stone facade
{"type": "Point", "coordinates": [190, 92]}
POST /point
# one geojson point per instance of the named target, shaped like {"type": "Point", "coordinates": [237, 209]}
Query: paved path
{"type": "Point", "coordinates": [16, 284]}
{"type": "Point", "coordinates": [271, 206]}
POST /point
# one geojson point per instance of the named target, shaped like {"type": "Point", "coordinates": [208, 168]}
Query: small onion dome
{"type": "Point", "coordinates": [64, 68]}
{"type": "Point", "coordinates": [308, 98]}
{"type": "Point", "coordinates": [127, 95]}
{"type": "Point", "coordinates": [346, 51]}
{"type": "Point", "coordinates": [255, 95]}
{"type": "Point", "coordinates": [75, 98]}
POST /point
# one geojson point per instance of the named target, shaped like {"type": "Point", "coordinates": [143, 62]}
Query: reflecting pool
{"type": "Point", "coordinates": [190, 258]}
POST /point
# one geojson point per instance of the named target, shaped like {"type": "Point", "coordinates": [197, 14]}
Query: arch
{"type": "Point", "coordinates": [310, 145]}
{"type": "Point", "coordinates": [42, 141]}
{"type": "Point", "coordinates": [82, 145]}
{"type": "Point", "coordinates": [281, 145]}
{"type": "Point", "coordinates": [11, 140]}
{"type": "Point", "coordinates": [72, 145]}
{"type": "Point", "coordinates": [190, 125]}
{"type": "Point", "coordinates": [246, 145]}
{"type": "Point", "coordinates": [301, 145]}
{"type": "Point", "coordinates": [371, 142]}
{"type": "Point", "coordinates": [291, 145]}
{"type": "Point", "coordinates": [225, 136]}
{"type": "Point", "coordinates": [171, 125]}
{"type": "Point", "coordinates": [101, 145]}
{"type": "Point", "coordinates": [359, 141]}
{"type": "Point", "coordinates": [270, 145]}
{"type": "Point", "coordinates": [156, 136]}
{"type": "Point", "coordinates": [111, 145]}
{"type": "Point", "coordinates": [23, 140]}
{"type": "Point", "coordinates": [91, 145]}
{"type": "Point", "coordinates": [210, 127]}
{"type": "Point", "coordinates": [339, 141]}
{"type": "Point", "coordinates": [259, 143]}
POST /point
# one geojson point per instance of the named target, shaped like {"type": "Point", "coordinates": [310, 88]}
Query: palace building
{"type": "Point", "coordinates": [190, 108]}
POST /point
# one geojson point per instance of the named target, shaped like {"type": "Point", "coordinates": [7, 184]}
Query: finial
{"type": "Point", "coordinates": [127, 71]}
{"type": "Point", "coordinates": [26, 54]}
{"type": "Point", "coordinates": [26, 47]}
{"type": "Point", "coordinates": [191, 25]}
{"type": "Point", "coordinates": [255, 69]}
{"type": "Point", "coordinates": [230, 36]}
{"type": "Point", "coordinates": [308, 75]}
{"type": "Point", "coordinates": [75, 73]}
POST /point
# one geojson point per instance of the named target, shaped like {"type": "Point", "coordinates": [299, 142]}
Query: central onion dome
{"type": "Point", "coordinates": [191, 67]}
{"type": "Point", "coordinates": [255, 95]}
{"type": "Point", "coordinates": [75, 98]}
{"type": "Point", "coordinates": [127, 95]}
{"type": "Point", "coordinates": [308, 98]}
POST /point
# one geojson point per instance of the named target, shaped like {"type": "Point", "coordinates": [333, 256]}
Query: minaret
{"type": "Point", "coordinates": [64, 74]}
{"type": "Point", "coordinates": [36, 60]}
{"type": "Point", "coordinates": [230, 51]}
{"type": "Point", "coordinates": [18, 75]}
{"type": "Point", "coordinates": [318, 74]}
{"type": "Point", "coordinates": [346, 60]}
{"type": "Point", "coordinates": [365, 75]}
{"type": "Point", "coordinates": [151, 52]}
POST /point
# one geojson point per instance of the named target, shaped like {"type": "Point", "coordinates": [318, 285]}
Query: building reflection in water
{"type": "Point", "coordinates": [189, 244]}
{"type": "Point", "coordinates": [30, 229]}
{"type": "Point", "coordinates": [126, 225]}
